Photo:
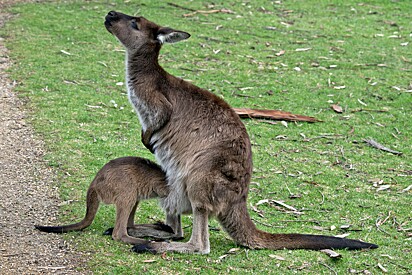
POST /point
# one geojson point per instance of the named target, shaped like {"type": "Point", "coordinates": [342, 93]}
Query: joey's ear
{"type": "Point", "coordinates": [168, 35]}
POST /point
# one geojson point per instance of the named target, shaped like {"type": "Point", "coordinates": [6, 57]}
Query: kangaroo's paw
{"type": "Point", "coordinates": [160, 247]}
{"type": "Point", "coordinates": [109, 231]}
{"type": "Point", "coordinates": [157, 231]}
{"type": "Point", "coordinates": [159, 225]}
{"type": "Point", "coordinates": [144, 248]}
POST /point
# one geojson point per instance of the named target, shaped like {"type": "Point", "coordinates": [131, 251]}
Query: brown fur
{"type": "Point", "coordinates": [123, 182]}
{"type": "Point", "coordinates": [201, 144]}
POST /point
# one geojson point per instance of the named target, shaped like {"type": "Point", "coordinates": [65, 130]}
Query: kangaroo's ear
{"type": "Point", "coordinates": [168, 35]}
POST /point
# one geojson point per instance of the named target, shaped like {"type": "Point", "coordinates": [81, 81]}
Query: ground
{"type": "Point", "coordinates": [27, 189]}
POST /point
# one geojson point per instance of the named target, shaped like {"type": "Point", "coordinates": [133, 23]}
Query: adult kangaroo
{"type": "Point", "coordinates": [201, 144]}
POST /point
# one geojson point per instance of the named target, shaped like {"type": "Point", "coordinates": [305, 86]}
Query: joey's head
{"type": "Point", "coordinates": [139, 35]}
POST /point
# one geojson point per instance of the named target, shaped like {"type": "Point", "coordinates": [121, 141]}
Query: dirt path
{"type": "Point", "coordinates": [27, 195]}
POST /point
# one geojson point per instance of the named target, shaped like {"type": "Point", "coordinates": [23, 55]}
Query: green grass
{"type": "Point", "coordinates": [364, 47]}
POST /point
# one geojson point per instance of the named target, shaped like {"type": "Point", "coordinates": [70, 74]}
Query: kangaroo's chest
{"type": "Point", "coordinates": [140, 106]}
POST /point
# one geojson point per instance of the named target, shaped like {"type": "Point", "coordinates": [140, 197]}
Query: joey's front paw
{"type": "Point", "coordinates": [109, 231]}
{"type": "Point", "coordinates": [144, 248]}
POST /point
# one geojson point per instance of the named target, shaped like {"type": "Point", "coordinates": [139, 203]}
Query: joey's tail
{"type": "Point", "coordinates": [92, 206]}
{"type": "Point", "coordinates": [236, 221]}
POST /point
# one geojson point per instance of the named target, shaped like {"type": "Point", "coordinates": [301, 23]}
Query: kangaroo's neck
{"type": "Point", "coordinates": [143, 68]}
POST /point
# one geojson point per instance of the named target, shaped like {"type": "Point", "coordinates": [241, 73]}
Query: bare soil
{"type": "Point", "coordinates": [28, 193]}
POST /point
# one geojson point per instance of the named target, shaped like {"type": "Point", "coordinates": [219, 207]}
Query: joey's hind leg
{"type": "Point", "coordinates": [130, 220]}
{"type": "Point", "coordinates": [123, 211]}
{"type": "Point", "coordinates": [157, 231]}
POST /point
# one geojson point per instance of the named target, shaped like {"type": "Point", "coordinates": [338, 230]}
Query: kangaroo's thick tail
{"type": "Point", "coordinates": [236, 221]}
{"type": "Point", "coordinates": [92, 205]}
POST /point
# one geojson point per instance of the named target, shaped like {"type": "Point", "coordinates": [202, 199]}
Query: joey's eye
{"type": "Point", "coordinates": [134, 25]}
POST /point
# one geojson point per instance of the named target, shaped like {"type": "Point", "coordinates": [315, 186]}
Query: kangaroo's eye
{"type": "Point", "coordinates": [134, 25]}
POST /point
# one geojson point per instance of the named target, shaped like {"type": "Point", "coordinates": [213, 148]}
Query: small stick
{"type": "Point", "coordinates": [328, 267]}
{"type": "Point", "coordinates": [285, 205]}
{"type": "Point", "coordinates": [206, 12]}
{"type": "Point", "coordinates": [52, 267]}
{"type": "Point", "coordinates": [180, 7]}
{"type": "Point", "coordinates": [323, 197]}
{"type": "Point", "coordinates": [373, 143]}
{"type": "Point", "coordinates": [369, 110]}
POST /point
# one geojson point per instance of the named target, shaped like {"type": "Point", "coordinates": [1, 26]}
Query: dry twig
{"type": "Point", "coordinates": [206, 12]}
{"type": "Point", "coordinates": [376, 145]}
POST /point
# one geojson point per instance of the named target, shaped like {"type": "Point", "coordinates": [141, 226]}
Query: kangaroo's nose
{"type": "Point", "coordinates": [112, 13]}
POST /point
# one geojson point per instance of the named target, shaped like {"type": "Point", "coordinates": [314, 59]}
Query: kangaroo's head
{"type": "Point", "coordinates": [138, 34]}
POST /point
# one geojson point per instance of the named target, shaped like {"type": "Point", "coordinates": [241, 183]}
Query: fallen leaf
{"type": "Point", "coordinates": [376, 182]}
{"type": "Point", "coordinates": [342, 235]}
{"type": "Point", "coordinates": [287, 24]}
{"type": "Point", "coordinates": [317, 227]}
{"type": "Point", "coordinates": [223, 256]}
{"type": "Point", "coordinates": [65, 202]}
{"type": "Point", "coordinates": [303, 49]}
{"type": "Point", "coordinates": [276, 257]}
{"type": "Point", "coordinates": [407, 188]}
{"type": "Point", "coordinates": [361, 102]}
{"type": "Point", "coordinates": [113, 103]}
{"type": "Point", "coordinates": [382, 268]}
{"type": "Point", "coordinates": [262, 202]}
{"type": "Point", "coordinates": [281, 137]}
{"type": "Point", "coordinates": [102, 63]}
{"type": "Point", "coordinates": [331, 253]}
{"type": "Point", "coordinates": [383, 187]}
{"type": "Point", "coordinates": [272, 114]}
{"type": "Point", "coordinates": [233, 250]}
{"type": "Point", "coordinates": [64, 52]}
{"type": "Point", "coordinates": [337, 108]}
{"type": "Point", "coordinates": [391, 23]}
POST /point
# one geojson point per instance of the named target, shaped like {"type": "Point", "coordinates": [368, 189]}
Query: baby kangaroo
{"type": "Point", "coordinates": [124, 182]}
{"type": "Point", "coordinates": [201, 144]}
